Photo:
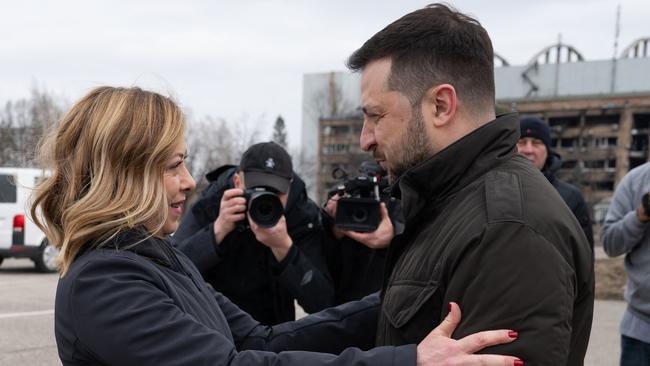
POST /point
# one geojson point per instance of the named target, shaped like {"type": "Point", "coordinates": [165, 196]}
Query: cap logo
{"type": "Point", "coordinates": [528, 131]}
{"type": "Point", "coordinates": [270, 163]}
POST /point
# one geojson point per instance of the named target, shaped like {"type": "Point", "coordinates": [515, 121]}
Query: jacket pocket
{"type": "Point", "coordinates": [404, 298]}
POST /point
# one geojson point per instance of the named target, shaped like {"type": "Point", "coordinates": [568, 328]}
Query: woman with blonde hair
{"type": "Point", "coordinates": [127, 297]}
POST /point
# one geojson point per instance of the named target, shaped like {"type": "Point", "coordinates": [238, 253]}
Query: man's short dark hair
{"type": "Point", "coordinates": [433, 46]}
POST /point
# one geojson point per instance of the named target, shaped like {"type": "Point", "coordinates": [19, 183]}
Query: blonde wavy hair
{"type": "Point", "coordinates": [107, 158]}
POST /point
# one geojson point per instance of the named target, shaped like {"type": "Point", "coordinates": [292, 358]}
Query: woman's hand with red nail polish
{"type": "Point", "coordinates": [438, 348]}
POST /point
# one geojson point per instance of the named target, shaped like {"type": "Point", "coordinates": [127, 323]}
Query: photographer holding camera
{"type": "Point", "coordinates": [257, 238]}
{"type": "Point", "coordinates": [361, 219]}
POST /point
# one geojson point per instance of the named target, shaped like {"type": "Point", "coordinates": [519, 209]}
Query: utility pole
{"type": "Point", "coordinates": [558, 60]}
{"type": "Point", "coordinates": [614, 58]}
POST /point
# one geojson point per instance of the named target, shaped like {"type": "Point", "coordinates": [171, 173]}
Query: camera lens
{"type": "Point", "coordinates": [360, 215]}
{"type": "Point", "coordinates": [265, 208]}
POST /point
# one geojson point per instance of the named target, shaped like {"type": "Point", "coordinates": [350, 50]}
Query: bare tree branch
{"type": "Point", "coordinates": [22, 125]}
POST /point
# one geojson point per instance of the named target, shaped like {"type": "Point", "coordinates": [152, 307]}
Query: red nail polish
{"type": "Point", "coordinates": [449, 307]}
{"type": "Point", "coordinates": [519, 363]}
{"type": "Point", "coordinates": [513, 334]}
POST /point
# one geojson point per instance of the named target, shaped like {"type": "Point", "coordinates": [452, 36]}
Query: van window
{"type": "Point", "coordinates": [7, 188]}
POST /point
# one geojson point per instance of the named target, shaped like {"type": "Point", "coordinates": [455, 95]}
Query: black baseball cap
{"type": "Point", "coordinates": [267, 164]}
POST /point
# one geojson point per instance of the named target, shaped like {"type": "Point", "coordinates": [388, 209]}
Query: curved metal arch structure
{"type": "Point", "coordinates": [638, 49]}
{"type": "Point", "coordinates": [500, 60]}
{"type": "Point", "coordinates": [562, 52]}
{"type": "Point", "coordinates": [554, 54]}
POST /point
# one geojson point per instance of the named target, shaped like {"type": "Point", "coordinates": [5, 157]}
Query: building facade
{"type": "Point", "coordinates": [599, 138]}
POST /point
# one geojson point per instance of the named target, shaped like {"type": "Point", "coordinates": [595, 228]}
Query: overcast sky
{"type": "Point", "coordinates": [244, 60]}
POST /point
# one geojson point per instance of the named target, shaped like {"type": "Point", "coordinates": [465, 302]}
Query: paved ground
{"type": "Point", "coordinates": [26, 315]}
{"type": "Point", "coordinates": [599, 252]}
{"type": "Point", "coordinates": [604, 344]}
{"type": "Point", "coordinates": [26, 320]}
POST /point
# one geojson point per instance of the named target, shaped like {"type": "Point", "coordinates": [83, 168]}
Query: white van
{"type": "Point", "coordinates": [19, 236]}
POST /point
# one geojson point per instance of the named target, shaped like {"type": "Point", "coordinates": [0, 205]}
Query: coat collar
{"type": "Point", "coordinates": [139, 241]}
{"type": "Point", "coordinates": [553, 164]}
{"type": "Point", "coordinates": [458, 165]}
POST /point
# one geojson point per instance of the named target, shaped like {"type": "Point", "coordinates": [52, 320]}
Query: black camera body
{"type": "Point", "coordinates": [264, 206]}
{"type": "Point", "coordinates": [358, 208]}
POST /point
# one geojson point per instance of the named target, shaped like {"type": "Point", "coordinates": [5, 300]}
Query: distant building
{"type": "Point", "coordinates": [339, 147]}
{"type": "Point", "coordinates": [326, 96]}
{"type": "Point", "coordinates": [600, 138]}
{"type": "Point", "coordinates": [599, 113]}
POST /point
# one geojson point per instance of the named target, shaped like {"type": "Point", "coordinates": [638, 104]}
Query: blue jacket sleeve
{"type": "Point", "coordinates": [332, 330]}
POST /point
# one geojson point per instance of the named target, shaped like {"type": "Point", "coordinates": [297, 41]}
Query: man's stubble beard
{"type": "Point", "coordinates": [416, 147]}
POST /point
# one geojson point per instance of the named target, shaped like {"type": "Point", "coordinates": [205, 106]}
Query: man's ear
{"type": "Point", "coordinates": [439, 104]}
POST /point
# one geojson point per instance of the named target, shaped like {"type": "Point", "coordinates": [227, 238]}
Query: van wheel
{"type": "Point", "coordinates": [46, 260]}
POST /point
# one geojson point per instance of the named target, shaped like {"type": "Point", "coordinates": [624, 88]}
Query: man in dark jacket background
{"type": "Point", "coordinates": [535, 145]}
{"type": "Point", "coordinates": [483, 227]}
{"type": "Point", "coordinates": [262, 270]}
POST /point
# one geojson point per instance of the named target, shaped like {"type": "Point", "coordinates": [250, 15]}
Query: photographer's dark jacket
{"type": "Point", "coordinates": [570, 194]}
{"type": "Point", "coordinates": [138, 301]}
{"type": "Point", "coordinates": [245, 270]}
{"type": "Point", "coordinates": [485, 229]}
{"type": "Point", "coordinates": [357, 270]}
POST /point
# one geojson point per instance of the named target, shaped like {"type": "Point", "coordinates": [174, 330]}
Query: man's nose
{"type": "Point", "coordinates": [367, 138]}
